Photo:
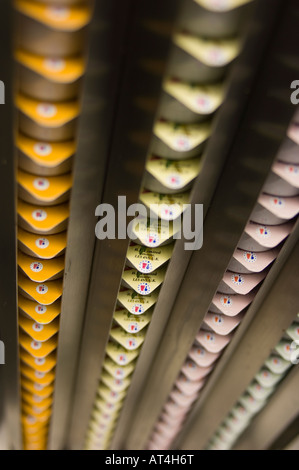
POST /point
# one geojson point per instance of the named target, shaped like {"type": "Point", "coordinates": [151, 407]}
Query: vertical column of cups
{"type": "Point", "coordinates": [193, 90]}
{"type": "Point", "coordinates": [50, 65]}
{"type": "Point", "coordinates": [258, 392]}
{"type": "Point", "coordinates": [271, 222]}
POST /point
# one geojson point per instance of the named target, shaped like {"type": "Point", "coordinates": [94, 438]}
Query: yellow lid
{"type": "Point", "coordinates": [31, 423]}
{"type": "Point", "coordinates": [110, 395]}
{"type": "Point", "coordinates": [117, 371]}
{"type": "Point", "coordinates": [104, 416]}
{"type": "Point", "coordinates": [42, 378]}
{"type": "Point", "coordinates": [136, 303]}
{"type": "Point", "coordinates": [35, 436]}
{"type": "Point", "coordinates": [38, 331]}
{"type": "Point", "coordinates": [97, 432]}
{"type": "Point", "coordinates": [42, 247]}
{"type": "Point", "coordinates": [132, 323]}
{"type": "Point", "coordinates": [46, 154]}
{"type": "Point", "coordinates": [40, 444]}
{"type": "Point", "coordinates": [36, 401]}
{"type": "Point", "coordinates": [174, 174]}
{"type": "Point", "coordinates": [142, 283]}
{"type": "Point", "coordinates": [56, 17]}
{"type": "Point", "coordinates": [66, 70]}
{"type": "Point", "coordinates": [37, 389]}
{"type": "Point", "coordinates": [148, 259]}
{"type": "Point", "coordinates": [99, 439]}
{"type": "Point", "coordinates": [165, 206]}
{"type": "Point", "coordinates": [106, 427]}
{"type": "Point", "coordinates": [201, 99]}
{"type": "Point", "coordinates": [49, 115]}
{"type": "Point", "coordinates": [43, 220]}
{"type": "Point", "coordinates": [45, 293]}
{"type": "Point", "coordinates": [40, 313]}
{"type": "Point", "coordinates": [41, 270]}
{"type": "Point", "coordinates": [212, 52]}
{"type": "Point", "coordinates": [127, 340]}
{"type": "Point", "coordinates": [119, 354]}
{"type": "Point", "coordinates": [37, 348]}
{"type": "Point", "coordinates": [34, 422]}
{"type": "Point", "coordinates": [106, 406]}
{"type": "Point", "coordinates": [115, 384]}
{"type": "Point", "coordinates": [43, 190]}
{"type": "Point", "coordinates": [42, 417]}
{"type": "Point", "coordinates": [154, 232]}
{"type": "Point", "coordinates": [42, 364]}
{"type": "Point", "coordinates": [182, 137]}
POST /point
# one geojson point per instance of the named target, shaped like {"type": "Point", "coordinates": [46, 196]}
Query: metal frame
{"type": "Point", "coordinates": [8, 269]}
{"type": "Point", "coordinates": [134, 116]}
{"type": "Point", "coordinates": [261, 130]}
{"type": "Point", "coordinates": [99, 98]}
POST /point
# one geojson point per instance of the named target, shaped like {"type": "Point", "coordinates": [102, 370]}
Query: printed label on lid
{"type": "Point", "coordinates": [40, 309]}
{"type": "Point", "coordinates": [41, 184]}
{"type": "Point", "coordinates": [36, 345]}
{"type": "Point", "coordinates": [145, 266]}
{"type": "Point", "coordinates": [46, 110]}
{"type": "Point", "coordinates": [182, 138]}
{"type": "Point", "coordinates": [130, 322]}
{"type": "Point", "coordinates": [237, 279]}
{"type": "Point", "coordinates": [201, 99]}
{"type": "Point", "coordinates": [37, 327]}
{"type": "Point", "coordinates": [39, 214]}
{"type": "Point", "coordinates": [211, 52]}
{"type": "Point", "coordinates": [250, 257]}
{"type": "Point", "coordinates": [42, 149]}
{"type": "Point", "coordinates": [174, 174]}
{"type": "Point", "coordinates": [147, 259]}
{"type": "Point", "coordinates": [42, 289]}
{"type": "Point", "coordinates": [263, 231]}
{"type": "Point", "coordinates": [58, 13]}
{"type": "Point", "coordinates": [36, 267]}
{"type": "Point", "coordinates": [54, 64]}
{"type": "Point", "coordinates": [42, 243]}
{"type": "Point", "coordinates": [39, 361]}
{"type": "Point", "coordinates": [226, 301]}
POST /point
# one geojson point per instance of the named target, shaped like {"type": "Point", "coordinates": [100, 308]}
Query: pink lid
{"type": "Point", "coordinates": [181, 399]}
{"type": "Point", "coordinates": [157, 443]}
{"type": "Point", "coordinates": [170, 419]}
{"type": "Point", "coordinates": [187, 386]}
{"type": "Point", "coordinates": [211, 341]}
{"type": "Point", "coordinates": [260, 237]}
{"type": "Point", "coordinates": [160, 439]}
{"type": "Point", "coordinates": [236, 283]}
{"type": "Point", "coordinates": [195, 372]}
{"type": "Point", "coordinates": [278, 209]}
{"type": "Point", "coordinates": [174, 409]}
{"type": "Point", "coordinates": [231, 304]}
{"type": "Point", "coordinates": [168, 430]}
{"type": "Point", "coordinates": [287, 171]}
{"type": "Point", "coordinates": [202, 357]}
{"type": "Point", "coordinates": [152, 446]}
{"type": "Point", "coordinates": [222, 324]}
{"type": "Point", "coordinates": [250, 261]}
